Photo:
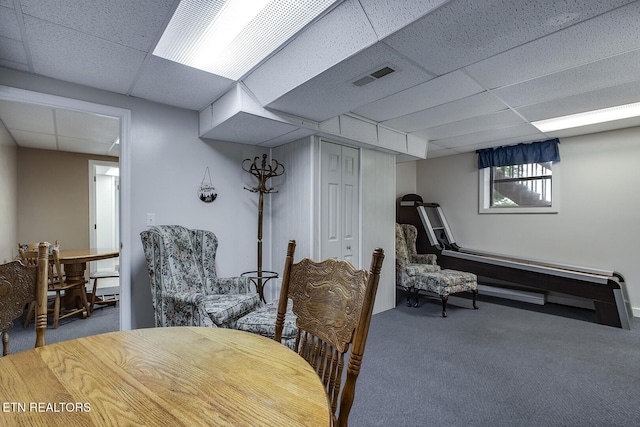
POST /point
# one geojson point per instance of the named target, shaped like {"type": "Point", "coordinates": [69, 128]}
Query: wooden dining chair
{"type": "Point", "coordinates": [333, 302]}
{"type": "Point", "coordinates": [111, 300]}
{"type": "Point", "coordinates": [59, 284]}
{"type": "Point", "coordinates": [20, 285]}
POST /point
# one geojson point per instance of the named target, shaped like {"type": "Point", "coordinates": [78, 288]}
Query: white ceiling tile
{"type": "Point", "coordinates": [171, 83]}
{"type": "Point", "coordinates": [28, 139]}
{"type": "Point", "coordinates": [335, 37]}
{"type": "Point", "coordinates": [92, 127]}
{"type": "Point", "coordinates": [491, 135]}
{"type": "Point", "coordinates": [501, 119]}
{"type": "Point", "coordinates": [9, 24]}
{"type": "Point", "coordinates": [78, 145]}
{"type": "Point", "coordinates": [472, 106]}
{"type": "Point", "coordinates": [12, 50]}
{"type": "Point", "coordinates": [602, 98]}
{"type": "Point", "coordinates": [27, 117]}
{"type": "Point", "coordinates": [69, 55]}
{"type": "Point", "coordinates": [512, 46]}
{"type": "Point", "coordinates": [136, 24]}
{"type": "Point", "coordinates": [434, 92]}
{"type": "Point", "coordinates": [503, 142]}
{"type": "Point", "coordinates": [466, 31]}
{"type": "Point", "coordinates": [333, 92]}
{"type": "Point", "coordinates": [606, 35]}
{"type": "Point", "coordinates": [389, 16]}
{"type": "Point", "coordinates": [596, 75]}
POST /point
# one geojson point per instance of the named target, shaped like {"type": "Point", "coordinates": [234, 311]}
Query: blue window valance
{"type": "Point", "coordinates": [521, 154]}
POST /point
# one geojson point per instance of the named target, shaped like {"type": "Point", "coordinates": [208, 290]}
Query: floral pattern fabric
{"type": "Point", "coordinates": [410, 236]}
{"type": "Point", "coordinates": [410, 264]}
{"type": "Point", "coordinates": [184, 287]}
{"type": "Point", "coordinates": [446, 282]}
{"type": "Point", "coordinates": [263, 322]}
{"type": "Point", "coordinates": [420, 272]}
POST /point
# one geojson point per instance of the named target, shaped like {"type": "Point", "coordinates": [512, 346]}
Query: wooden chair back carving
{"type": "Point", "coordinates": [28, 254]}
{"type": "Point", "coordinates": [20, 285]}
{"type": "Point", "coordinates": [333, 302]}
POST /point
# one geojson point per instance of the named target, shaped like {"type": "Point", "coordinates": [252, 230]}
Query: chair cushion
{"type": "Point", "coordinates": [446, 282]}
{"type": "Point", "coordinates": [263, 322]}
{"type": "Point", "coordinates": [419, 269]}
{"type": "Point", "coordinates": [225, 309]}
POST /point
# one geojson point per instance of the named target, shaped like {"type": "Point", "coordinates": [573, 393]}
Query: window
{"type": "Point", "coordinates": [527, 188]}
{"type": "Point", "coordinates": [521, 185]}
{"type": "Point", "coordinates": [518, 178]}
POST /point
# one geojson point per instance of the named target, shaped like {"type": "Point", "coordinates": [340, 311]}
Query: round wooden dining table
{"type": "Point", "coordinates": [177, 376]}
{"type": "Point", "coordinates": [75, 264]}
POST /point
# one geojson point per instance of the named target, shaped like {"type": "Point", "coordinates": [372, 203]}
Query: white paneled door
{"type": "Point", "coordinates": [339, 202]}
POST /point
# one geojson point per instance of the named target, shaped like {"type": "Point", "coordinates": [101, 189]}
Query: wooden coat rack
{"type": "Point", "coordinates": [263, 172]}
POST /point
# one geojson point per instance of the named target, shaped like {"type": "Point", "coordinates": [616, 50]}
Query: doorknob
{"type": "Point", "coordinates": [348, 248]}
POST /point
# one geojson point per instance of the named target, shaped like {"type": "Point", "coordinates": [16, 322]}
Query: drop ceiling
{"type": "Point", "coordinates": [468, 74]}
{"type": "Point", "coordinates": [46, 128]}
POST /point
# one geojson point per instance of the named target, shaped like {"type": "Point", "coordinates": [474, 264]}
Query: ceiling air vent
{"type": "Point", "coordinates": [374, 76]}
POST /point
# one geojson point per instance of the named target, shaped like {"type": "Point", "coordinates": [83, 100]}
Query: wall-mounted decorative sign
{"type": "Point", "coordinates": [207, 192]}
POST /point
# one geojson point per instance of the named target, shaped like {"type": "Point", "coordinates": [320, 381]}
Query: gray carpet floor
{"type": "Point", "coordinates": [506, 364]}
{"type": "Point", "coordinates": [104, 319]}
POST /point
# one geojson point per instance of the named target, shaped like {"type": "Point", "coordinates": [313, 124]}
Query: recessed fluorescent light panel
{"type": "Point", "coordinates": [589, 117]}
{"type": "Point", "coordinates": [229, 38]}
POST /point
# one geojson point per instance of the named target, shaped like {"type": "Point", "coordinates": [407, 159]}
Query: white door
{"type": "Point", "coordinates": [339, 202]}
{"type": "Point", "coordinates": [104, 211]}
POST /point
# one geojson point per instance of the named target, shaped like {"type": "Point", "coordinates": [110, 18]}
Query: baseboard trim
{"type": "Point", "coordinates": [512, 294]}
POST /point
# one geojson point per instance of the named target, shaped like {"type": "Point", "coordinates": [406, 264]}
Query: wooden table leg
{"type": "Point", "coordinates": [74, 272]}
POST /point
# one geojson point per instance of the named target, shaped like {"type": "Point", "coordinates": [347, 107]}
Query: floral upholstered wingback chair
{"type": "Point", "coordinates": [410, 265]}
{"type": "Point", "coordinates": [185, 288]}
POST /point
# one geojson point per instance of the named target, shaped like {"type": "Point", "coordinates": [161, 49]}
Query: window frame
{"type": "Point", "coordinates": [484, 196]}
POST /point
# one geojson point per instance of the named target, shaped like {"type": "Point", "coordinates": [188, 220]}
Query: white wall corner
{"type": "Point", "coordinates": [331, 126]}
{"type": "Point", "coordinates": [225, 107]}
{"type": "Point", "coordinates": [205, 121]}
{"type": "Point", "coordinates": [417, 146]}
{"type": "Point", "coordinates": [359, 130]}
{"type": "Point", "coordinates": [236, 102]}
{"type": "Point", "coordinates": [392, 139]}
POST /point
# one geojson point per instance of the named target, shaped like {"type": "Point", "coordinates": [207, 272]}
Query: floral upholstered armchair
{"type": "Point", "coordinates": [184, 286]}
{"type": "Point", "coordinates": [419, 272]}
{"type": "Point", "coordinates": [411, 266]}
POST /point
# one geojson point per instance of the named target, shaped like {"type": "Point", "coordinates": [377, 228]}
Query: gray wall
{"type": "Point", "coordinates": [167, 161]}
{"type": "Point", "coordinates": [9, 196]}
{"type": "Point", "coordinates": [597, 225]}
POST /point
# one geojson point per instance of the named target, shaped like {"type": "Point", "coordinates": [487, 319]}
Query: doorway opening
{"type": "Point", "coordinates": [122, 209]}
